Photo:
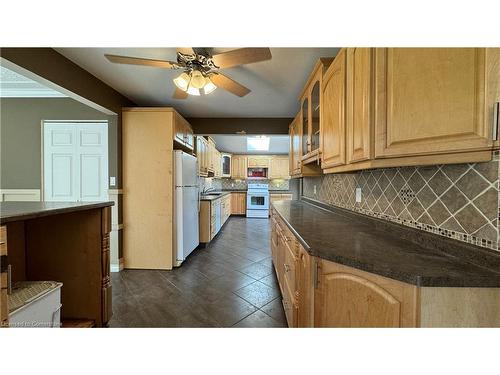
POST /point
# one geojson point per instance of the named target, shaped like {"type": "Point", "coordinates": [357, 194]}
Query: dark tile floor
{"type": "Point", "coordinates": [231, 283]}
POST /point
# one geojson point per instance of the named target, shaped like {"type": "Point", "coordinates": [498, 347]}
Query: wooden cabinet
{"type": "Point", "coordinates": [212, 158]}
{"type": "Point", "coordinates": [226, 208]}
{"type": "Point", "coordinates": [333, 113]}
{"type": "Point", "coordinates": [320, 293]}
{"type": "Point", "coordinates": [202, 155]}
{"type": "Point", "coordinates": [310, 112]}
{"type": "Point", "coordinates": [278, 167]}
{"type": "Point", "coordinates": [239, 167]}
{"type": "Point", "coordinates": [148, 139]}
{"type": "Point", "coordinates": [305, 290]}
{"type": "Point", "coordinates": [183, 133]}
{"type": "Point", "coordinates": [347, 297]}
{"type": "Point", "coordinates": [431, 101]}
{"type": "Point", "coordinates": [258, 161]}
{"type": "Point", "coordinates": [360, 99]}
{"type": "Point", "coordinates": [217, 163]}
{"type": "Point", "coordinates": [406, 106]}
{"type": "Point", "coordinates": [295, 154]}
{"type": "Point", "coordinates": [238, 203]}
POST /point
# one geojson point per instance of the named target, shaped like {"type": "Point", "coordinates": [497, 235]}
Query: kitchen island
{"type": "Point", "coordinates": [64, 242]}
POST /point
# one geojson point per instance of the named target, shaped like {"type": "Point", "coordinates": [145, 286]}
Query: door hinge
{"type": "Point", "coordinates": [316, 274]}
{"type": "Point", "coordinates": [496, 115]}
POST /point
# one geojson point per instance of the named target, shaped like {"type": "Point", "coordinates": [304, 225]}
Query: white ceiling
{"type": "Point", "coordinates": [237, 144]}
{"type": "Point", "coordinates": [275, 84]}
{"type": "Point", "coordinates": [15, 85]}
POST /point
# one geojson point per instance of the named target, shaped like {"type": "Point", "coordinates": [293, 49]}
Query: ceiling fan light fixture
{"type": "Point", "coordinates": [182, 82]}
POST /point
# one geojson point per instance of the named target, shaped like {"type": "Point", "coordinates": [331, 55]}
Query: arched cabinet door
{"type": "Point", "coordinates": [346, 297]}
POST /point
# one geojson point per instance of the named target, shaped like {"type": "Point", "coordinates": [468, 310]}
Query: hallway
{"type": "Point", "coordinates": [231, 283]}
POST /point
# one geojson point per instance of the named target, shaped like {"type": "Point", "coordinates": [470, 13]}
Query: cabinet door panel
{"type": "Point", "coordinates": [333, 114]}
{"type": "Point", "coordinates": [430, 100]}
{"type": "Point", "coordinates": [356, 302]}
{"type": "Point", "coordinates": [348, 297]}
{"type": "Point", "coordinates": [358, 116]}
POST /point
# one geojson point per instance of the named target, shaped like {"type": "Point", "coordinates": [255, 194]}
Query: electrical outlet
{"type": "Point", "coordinates": [314, 189]}
{"type": "Point", "coordinates": [358, 195]}
{"type": "Point", "coordinates": [112, 181]}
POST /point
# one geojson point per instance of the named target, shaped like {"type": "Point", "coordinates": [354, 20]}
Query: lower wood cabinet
{"type": "Point", "coordinates": [238, 203]}
{"type": "Point", "coordinates": [347, 297]}
{"type": "Point", "coordinates": [320, 293]}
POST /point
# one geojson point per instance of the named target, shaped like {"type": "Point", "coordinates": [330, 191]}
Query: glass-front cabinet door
{"type": "Point", "coordinates": [315, 113]}
{"type": "Point", "coordinates": [305, 126]}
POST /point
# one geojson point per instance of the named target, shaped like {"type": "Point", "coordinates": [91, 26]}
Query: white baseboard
{"type": "Point", "coordinates": [115, 268]}
{"type": "Point", "coordinates": [19, 195]}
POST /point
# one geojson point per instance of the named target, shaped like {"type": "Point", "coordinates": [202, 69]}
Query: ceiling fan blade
{"type": "Point", "coordinates": [185, 50]}
{"type": "Point", "coordinates": [179, 94]}
{"type": "Point", "coordinates": [139, 61]}
{"type": "Point", "coordinates": [226, 83]}
{"type": "Point", "coordinates": [241, 56]}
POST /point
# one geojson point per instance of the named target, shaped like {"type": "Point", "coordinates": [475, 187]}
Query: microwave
{"type": "Point", "coordinates": [257, 173]}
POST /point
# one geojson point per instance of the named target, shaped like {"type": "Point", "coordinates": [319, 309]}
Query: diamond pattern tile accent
{"type": "Point", "coordinates": [459, 201]}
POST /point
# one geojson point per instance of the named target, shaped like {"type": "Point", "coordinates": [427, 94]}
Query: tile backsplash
{"type": "Point", "coordinates": [459, 201]}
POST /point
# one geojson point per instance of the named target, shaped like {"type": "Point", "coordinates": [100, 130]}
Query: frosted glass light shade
{"type": "Point", "coordinates": [182, 81]}
{"type": "Point", "coordinates": [209, 87]}
{"type": "Point", "coordinates": [197, 79]}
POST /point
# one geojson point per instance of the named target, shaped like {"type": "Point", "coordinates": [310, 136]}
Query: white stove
{"type": "Point", "coordinates": [258, 200]}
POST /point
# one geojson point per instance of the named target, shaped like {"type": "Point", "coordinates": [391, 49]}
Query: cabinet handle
{"type": "Point", "coordinates": [287, 267]}
{"type": "Point", "coordinates": [496, 110]}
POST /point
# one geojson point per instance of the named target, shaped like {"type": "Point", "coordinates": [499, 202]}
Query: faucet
{"type": "Point", "coordinates": [207, 190]}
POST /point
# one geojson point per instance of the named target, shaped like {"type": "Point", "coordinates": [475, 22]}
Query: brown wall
{"type": "Point", "coordinates": [267, 126]}
{"type": "Point", "coordinates": [51, 65]}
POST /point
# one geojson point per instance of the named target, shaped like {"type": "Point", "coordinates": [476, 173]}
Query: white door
{"type": "Point", "coordinates": [75, 161]}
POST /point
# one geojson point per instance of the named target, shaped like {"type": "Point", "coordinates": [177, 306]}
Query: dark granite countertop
{"type": "Point", "coordinates": [221, 193]}
{"type": "Point", "coordinates": [210, 197]}
{"type": "Point", "coordinates": [16, 211]}
{"type": "Point", "coordinates": [388, 249]}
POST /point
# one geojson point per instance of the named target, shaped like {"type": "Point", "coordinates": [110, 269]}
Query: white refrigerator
{"type": "Point", "coordinates": [187, 205]}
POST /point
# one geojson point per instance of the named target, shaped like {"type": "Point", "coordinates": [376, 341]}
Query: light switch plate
{"type": "Point", "coordinates": [112, 181]}
{"type": "Point", "coordinates": [358, 195]}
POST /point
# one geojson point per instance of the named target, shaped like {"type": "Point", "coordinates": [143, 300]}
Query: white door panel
{"type": "Point", "coordinates": [75, 161]}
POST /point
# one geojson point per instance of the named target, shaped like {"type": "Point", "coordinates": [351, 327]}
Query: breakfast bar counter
{"type": "Point", "coordinates": [62, 242]}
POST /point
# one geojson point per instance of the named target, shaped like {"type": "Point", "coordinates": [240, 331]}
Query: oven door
{"type": "Point", "coordinates": [257, 201]}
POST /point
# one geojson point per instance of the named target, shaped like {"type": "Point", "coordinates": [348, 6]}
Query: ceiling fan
{"type": "Point", "coordinates": [201, 69]}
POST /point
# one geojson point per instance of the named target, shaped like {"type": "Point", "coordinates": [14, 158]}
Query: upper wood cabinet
{"type": "Point", "coordinates": [212, 157]}
{"type": "Point", "coordinates": [347, 297]}
{"type": "Point", "coordinates": [405, 106]}
{"type": "Point", "coordinates": [310, 112]}
{"type": "Point", "coordinates": [278, 167]}
{"type": "Point", "coordinates": [333, 113]}
{"type": "Point", "coordinates": [183, 133]}
{"type": "Point", "coordinates": [202, 155]}
{"type": "Point", "coordinates": [239, 167]}
{"type": "Point", "coordinates": [294, 149]}
{"type": "Point", "coordinates": [359, 101]}
{"type": "Point", "coordinates": [258, 161]}
{"type": "Point", "coordinates": [431, 101]}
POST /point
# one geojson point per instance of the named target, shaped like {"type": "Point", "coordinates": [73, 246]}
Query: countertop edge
{"type": "Point", "coordinates": [55, 211]}
{"type": "Point", "coordinates": [414, 279]}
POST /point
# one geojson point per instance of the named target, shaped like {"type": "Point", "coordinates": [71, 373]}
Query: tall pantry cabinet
{"type": "Point", "coordinates": [148, 136]}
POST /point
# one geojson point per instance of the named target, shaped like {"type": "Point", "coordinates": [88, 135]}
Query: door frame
{"type": "Point", "coordinates": [42, 158]}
